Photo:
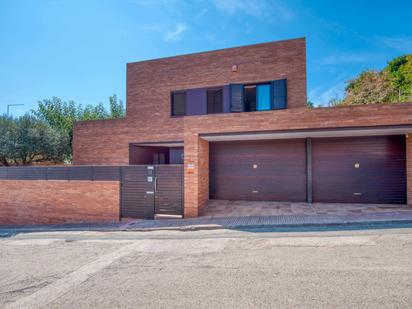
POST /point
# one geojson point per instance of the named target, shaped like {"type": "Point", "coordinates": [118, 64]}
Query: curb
{"type": "Point", "coordinates": [189, 228]}
{"type": "Point", "coordinates": [5, 235]}
{"type": "Point", "coordinates": [200, 227]}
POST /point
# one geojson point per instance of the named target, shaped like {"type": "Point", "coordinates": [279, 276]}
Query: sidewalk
{"type": "Point", "coordinates": [252, 222]}
{"type": "Point", "coordinates": [9, 230]}
{"type": "Point", "coordinates": [209, 223]}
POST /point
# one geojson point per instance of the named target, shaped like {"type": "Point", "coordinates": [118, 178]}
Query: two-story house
{"type": "Point", "coordinates": [237, 119]}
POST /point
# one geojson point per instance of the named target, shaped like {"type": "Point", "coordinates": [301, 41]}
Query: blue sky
{"type": "Point", "coordinates": [78, 50]}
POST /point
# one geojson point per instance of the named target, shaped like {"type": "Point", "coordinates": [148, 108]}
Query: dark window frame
{"type": "Point", "coordinates": [172, 111]}
{"type": "Point", "coordinates": [207, 100]}
{"type": "Point", "coordinates": [269, 83]}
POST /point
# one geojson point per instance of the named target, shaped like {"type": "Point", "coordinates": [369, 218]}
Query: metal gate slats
{"type": "Point", "coordinates": [169, 192]}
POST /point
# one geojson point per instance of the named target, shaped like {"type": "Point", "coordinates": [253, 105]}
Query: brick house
{"type": "Point", "coordinates": [237, 119]}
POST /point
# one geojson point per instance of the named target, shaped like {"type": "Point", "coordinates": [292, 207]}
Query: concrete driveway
{"type": "Point", "coordinates": [207, 269]}
{"type": "Point", "coordinates": [225, 208]}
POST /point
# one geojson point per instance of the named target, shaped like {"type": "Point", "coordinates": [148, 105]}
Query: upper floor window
{"type": "Point", "coordinates": [234, 98]}
{"type": "Point", "coordinates": [215, 101]}
{"type": "Point", "coordinates": [257, 97]}
{"type": "Point", "coordinates": [178, 103]}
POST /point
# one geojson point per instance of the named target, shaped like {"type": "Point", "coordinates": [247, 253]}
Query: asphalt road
{"type": "Point", "coordinates": [207, 269]}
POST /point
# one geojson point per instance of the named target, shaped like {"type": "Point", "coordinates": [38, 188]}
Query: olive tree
{"type": "Point", "coordinates": [26, 140]}
{"type": "Point", "coordinates": [61, 115]}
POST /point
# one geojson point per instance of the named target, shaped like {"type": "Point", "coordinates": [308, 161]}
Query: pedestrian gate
{"type": "Point", "coordinates": [148, 191]}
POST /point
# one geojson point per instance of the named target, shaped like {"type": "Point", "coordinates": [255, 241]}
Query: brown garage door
{"type": "Point", "coordinates": [359, 170]}
{"type": "Point", "coordinates": [258, 170]}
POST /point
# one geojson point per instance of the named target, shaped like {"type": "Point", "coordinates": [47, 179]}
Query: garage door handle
{"type": "Point", "coordinates": [357, 193]}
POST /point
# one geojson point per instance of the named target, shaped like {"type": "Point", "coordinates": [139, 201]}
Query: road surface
{"type": "Point", "coordinates": [207, 269]}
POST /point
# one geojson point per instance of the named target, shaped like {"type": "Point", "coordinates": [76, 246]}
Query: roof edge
{"type": "Point", "coordinates": [219, 50]}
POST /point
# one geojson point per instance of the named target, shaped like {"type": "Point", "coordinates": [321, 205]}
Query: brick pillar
{"type": "Point", "coordinates": [203, 155]}
{"type": "Point", "coordinates": [196, 182]}
{"type": "Point", "coordinates": [409, 168]}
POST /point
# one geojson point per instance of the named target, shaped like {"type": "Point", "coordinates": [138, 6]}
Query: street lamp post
{"type": "Point", "coordinates": [8, 107]}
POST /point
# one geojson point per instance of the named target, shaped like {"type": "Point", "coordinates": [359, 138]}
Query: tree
{"type": "Point", "coordinates": [335, 102]}
{"type": "Point", "coordinates": [370, 87]}
{"type": "Point", "coordinates": [26, 139]}
{"type": "Point", "coordinates": [393, 84]}
{"type": "Point", "coordinates": [61, 115]}
{"type": "Point", "coordinates": [47, 134]}
{"type": "Point", "coordinates": [310, 104]}
{"type": "Point", "coordinates": [90, 112]}
{"type": "Point", "coordinates": [400, 73]}
{"type": "Point", "coordinates": [117, 109]}
{"type": "Point", "coordinates": [7, 130]}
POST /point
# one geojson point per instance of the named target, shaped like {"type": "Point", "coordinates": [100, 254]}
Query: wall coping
{"type": "Point", "coordinates": [302, 118]}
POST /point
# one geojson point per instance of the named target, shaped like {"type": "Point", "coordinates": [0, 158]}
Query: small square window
{"type": "Point", "coordinates": [178, 103]}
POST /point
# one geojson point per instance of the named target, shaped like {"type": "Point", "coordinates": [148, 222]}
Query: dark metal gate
{"type": "Point", "coordinates": [133, 191]}
{"type": "Point", "coordinates": [151, 190]}
{"type": "Point", "coordinates": [168, 190]}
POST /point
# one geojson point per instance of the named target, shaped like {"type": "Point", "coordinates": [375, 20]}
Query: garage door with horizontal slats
{"type": "Point", "coordinates": [359, 170]}
{"type": "Point", "coordinates": [258, 170]}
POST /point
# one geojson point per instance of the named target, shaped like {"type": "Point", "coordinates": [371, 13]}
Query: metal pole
{"type": "Point", "coordinates": [8, 107]}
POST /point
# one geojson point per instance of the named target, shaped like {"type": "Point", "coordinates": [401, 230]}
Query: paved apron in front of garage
{"type": "Point", "coordinates": [244, 214]}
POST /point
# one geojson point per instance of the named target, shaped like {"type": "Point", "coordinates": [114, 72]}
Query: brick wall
{"type": "Point", "coordinates": [149, 84]}
{"type": "Point", "coordinates": [107, 142]}
{"type": "Point", "coordinates": [302, 118]}
{"type": "Point", "coordinates": [197, 183]}
{"type": "Point", "coordinates": [44, 202]}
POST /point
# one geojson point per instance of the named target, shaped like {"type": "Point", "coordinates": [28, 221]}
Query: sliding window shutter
{"type": "Point", "coordinates": [280, 96]}
{"type": "Point", "coordinates": [236, 98]}
{"type": "Point", "coordinates": [196, 101]}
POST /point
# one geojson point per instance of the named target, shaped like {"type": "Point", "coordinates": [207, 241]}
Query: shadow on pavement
{"type": "Point", "coordinates": [329, 228]}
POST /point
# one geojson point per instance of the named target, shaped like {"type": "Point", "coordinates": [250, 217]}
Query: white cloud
{"type": "Point", "coordinates": [345, 58]}
{"type": "Point", "coordinates": [262, 8]}
{"type": "Point", "coordinates": [322, 96]}
{"type": "Point", "coordinates": [175, 35]}
{"type": "Point", "coordinates": [151, 27]}
{"type": "Point", "coordinates": [402, 44]}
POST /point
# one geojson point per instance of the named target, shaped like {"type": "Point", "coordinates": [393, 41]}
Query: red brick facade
{"type": "Point", "coordinates": [196, 149]}
{"type": "Point", "coordinates": [45, 202]}
{"type": "Point", "coordinates": [149, 84]}
{"type": "Point", "coordinates": [149, 87]}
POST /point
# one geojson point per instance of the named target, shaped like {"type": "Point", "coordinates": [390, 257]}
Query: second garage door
{"type": "Point", "coordinates": [258, 170]}
{"type": "Point", "coordinates": [359, 170]}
